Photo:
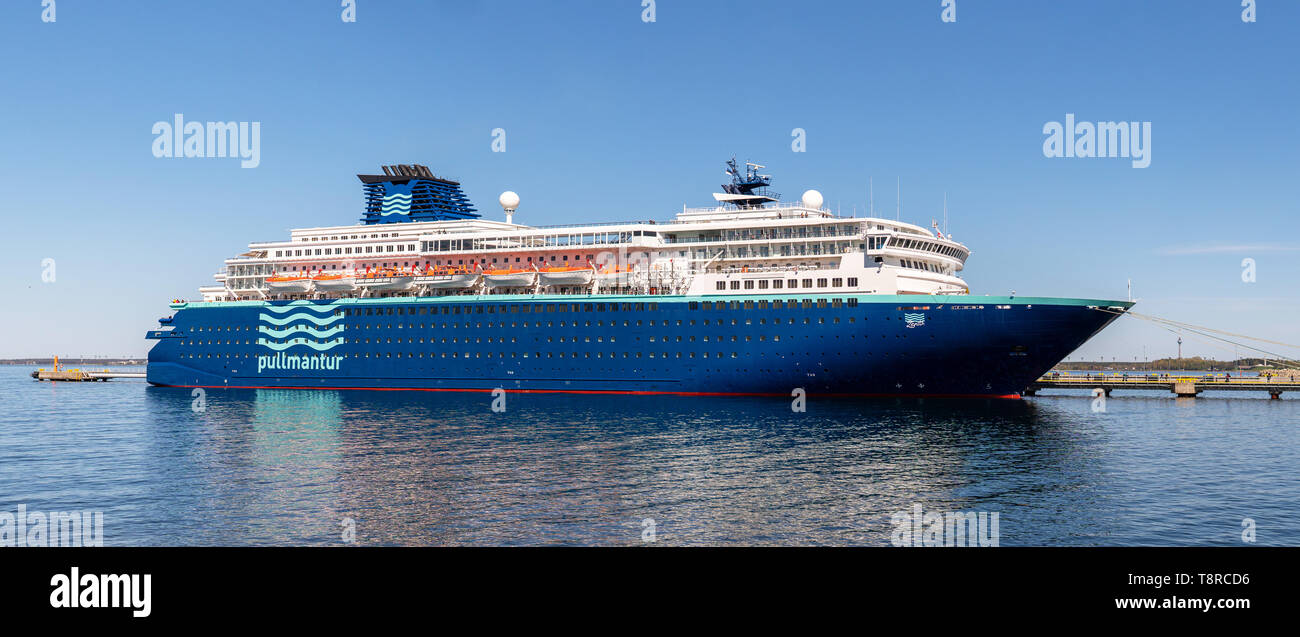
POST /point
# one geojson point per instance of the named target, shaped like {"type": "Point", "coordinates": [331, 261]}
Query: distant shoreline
{"type": "Point", "coordinates": [74, 361]}
{"type": "Point", "coordinates": [1195, 363]}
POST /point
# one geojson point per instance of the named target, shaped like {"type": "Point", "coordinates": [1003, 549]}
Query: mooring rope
{"type": "Point", "coordinates": [1181, 327]}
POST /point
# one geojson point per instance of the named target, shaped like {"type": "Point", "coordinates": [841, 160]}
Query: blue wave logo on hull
{"type": "Point", "coordinates": [278, 321]}
{"type": "Point", "coordinates": [277, 337]}
{"type": "Point", "coordinates": [914, 320]}
{"type": "Point", "coordinates": [299, 329]}
{"type": "Point", "coordinates": [281, 309]}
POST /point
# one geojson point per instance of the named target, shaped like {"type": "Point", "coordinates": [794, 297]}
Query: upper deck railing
{"type": "Point", "coordinates": [732, 208]}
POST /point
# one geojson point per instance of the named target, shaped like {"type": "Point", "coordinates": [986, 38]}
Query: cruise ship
{"type": "Point", "coordinates": [753, 295]}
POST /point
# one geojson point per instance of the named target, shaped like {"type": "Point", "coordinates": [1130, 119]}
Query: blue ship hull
{"type": "Point", "coordinates": [852, 345]}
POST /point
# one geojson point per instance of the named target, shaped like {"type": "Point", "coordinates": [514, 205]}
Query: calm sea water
{"type": "Point", "coordinates": [289, 467]}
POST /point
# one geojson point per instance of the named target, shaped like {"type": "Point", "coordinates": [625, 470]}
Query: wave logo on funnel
{"type": "Point", "coordinates": [397, 200]}
{"type": "Point", "coordinates": [313, 326]}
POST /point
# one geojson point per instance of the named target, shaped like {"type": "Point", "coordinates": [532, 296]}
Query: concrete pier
{"type": "Point", "coordinates": [1181, 386]}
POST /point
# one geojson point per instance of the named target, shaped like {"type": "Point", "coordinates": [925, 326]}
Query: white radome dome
{"type": "Point", "coordinates": [812, 199]}
{"type": "Point", "coordinates": [509, 200]}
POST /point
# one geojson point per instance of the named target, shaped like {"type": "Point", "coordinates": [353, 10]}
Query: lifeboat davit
{"type": "Point", "coordinates": [510, 278]}
{"type": "Point", "coordinates": [386, 279]}
{"type": "Point", "coordinates": [458, 277]}
{"type": "Point", "coordinates": [335, 282]}
{"type": "Point", "coordinates": [566, 276]}
{"type": "Point", "coordinates": [295, 284]}
{"type": "Point", "coordinates": [615, 272]}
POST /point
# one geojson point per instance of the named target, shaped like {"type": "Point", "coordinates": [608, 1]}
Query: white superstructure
{"type": "Point", "coordinates": [749, 243]}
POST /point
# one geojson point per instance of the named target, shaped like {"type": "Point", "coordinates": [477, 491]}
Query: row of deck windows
{"type": "Point", "coordinates": [777, 284]}
{"type": "Point", "coordinates": [597, 307]}
{"type": "Point", "coordinates": [537, 354]}
{"type": "Point", "coordinates": [398, 247]}
{"type": "Point", "coordinates": [550, 339]}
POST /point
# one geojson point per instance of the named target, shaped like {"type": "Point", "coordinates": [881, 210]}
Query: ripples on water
{"type": "Point", "coordinates": [286, 467]}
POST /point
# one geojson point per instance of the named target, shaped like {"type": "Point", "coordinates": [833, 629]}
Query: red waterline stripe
{"type": "Point", "coordinates": [622, 392]}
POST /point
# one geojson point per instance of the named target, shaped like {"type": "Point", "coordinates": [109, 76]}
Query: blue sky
{"type": "Point", "coordinates": [608, 117]}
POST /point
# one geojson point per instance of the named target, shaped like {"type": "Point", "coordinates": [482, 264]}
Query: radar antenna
{"type": "Point", "coordinates": [747, 189]}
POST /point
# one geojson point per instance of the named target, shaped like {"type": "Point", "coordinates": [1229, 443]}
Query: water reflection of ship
{"type": "Point", "coordinates": [443, 469]}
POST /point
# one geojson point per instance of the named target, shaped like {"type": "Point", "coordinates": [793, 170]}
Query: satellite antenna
{"type": "Point", "coordinates": [509, 202]}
